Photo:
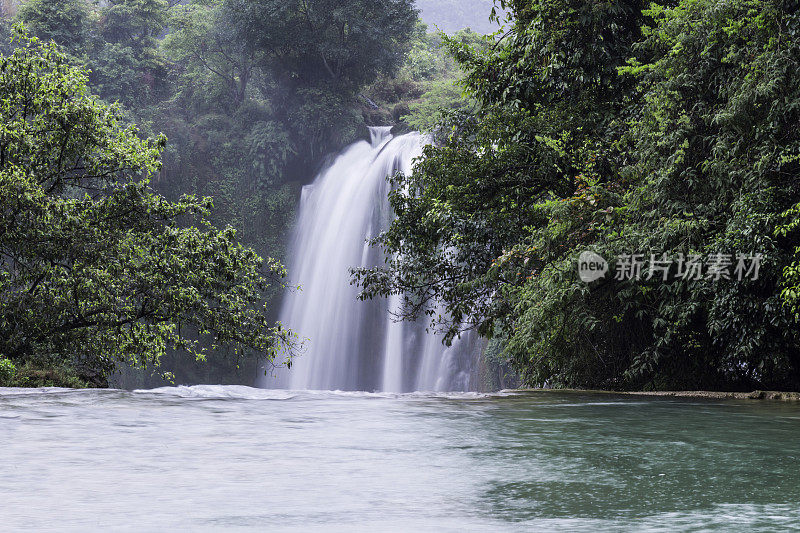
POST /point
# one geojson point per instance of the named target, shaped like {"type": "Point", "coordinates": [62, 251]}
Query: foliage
{"type": "Point", "coordinates": [118, 42]}
{"type": "Point", "coordinates": [66, 22]}
{"type": "Point", "coordinates": [607, 126]}
{"type": "Point", "coordinates": [427, 86]}
{"type": "Point", "coordinates": [429, 110]}
{"type": "Point", "coordinates": [326, 41]}
{"type": "Point", "coordinates": [7, 371]}
{"type": "Point", "coordinates": [45, 372]}
{"type": "Point", "coordinates": [243, 94]}
{"type": "Point", "coordinates": [790, 294]}
{"type": "Point", "coordinates": [124, 57]}
{"type": "Point", "coordinates": [95, 267]}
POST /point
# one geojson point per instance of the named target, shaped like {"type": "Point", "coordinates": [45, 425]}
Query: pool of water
{"type": "Point", "coordinates": [213, 458]}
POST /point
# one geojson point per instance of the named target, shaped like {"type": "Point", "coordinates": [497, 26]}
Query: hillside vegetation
{"type": "Point", "coordinates": [661, 136]}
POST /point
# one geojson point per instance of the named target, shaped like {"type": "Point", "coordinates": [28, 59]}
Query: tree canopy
{"type": "Point", "coordinates": [95, 267]}
{"type": "Point", "coordinates": [242, 92]}
{"type": "Point", "coordinates": [663, 129]}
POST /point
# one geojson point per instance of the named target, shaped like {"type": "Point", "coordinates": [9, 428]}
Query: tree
{"type": "Point", "coordinates": [307, 59]}
{"type": "Point", "coordinates": [603, 126]}
{"type": "Point", "coordinates": [95, 268]}
{"type": "Point", "coordinates": [206, 41]}
{"type": "Point", "coordinates": [327, 42]}
{"type": "Point", "coordinates": [124, 57]}
{"type": "Point", "coordinates": [117, 41]}
{"type": "Point", "coordinates": [496, 175]}
{"type": "Point", "coordinates": [136, 23]}
{"type": "Point", "coordinates": [65, 22]}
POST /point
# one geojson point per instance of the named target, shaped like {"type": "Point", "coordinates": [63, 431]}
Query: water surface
{"type": "Point", "coordinates": [214, 458]}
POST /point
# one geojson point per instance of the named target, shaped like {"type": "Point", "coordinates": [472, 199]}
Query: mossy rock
{"type": "Point", "coordinates": [376, 117]}
{"type": "Point", "coordinates": [400, 110]}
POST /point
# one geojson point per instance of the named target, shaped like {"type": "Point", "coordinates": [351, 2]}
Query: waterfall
{"type": "Point", "coordinates": [355, 345]}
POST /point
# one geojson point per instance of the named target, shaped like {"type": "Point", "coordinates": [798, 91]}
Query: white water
{"type": "Point", "coordinates": [354, 345]}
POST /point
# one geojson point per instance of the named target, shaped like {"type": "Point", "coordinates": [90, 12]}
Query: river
{"type": "Point", "coordinates": [213, 458]}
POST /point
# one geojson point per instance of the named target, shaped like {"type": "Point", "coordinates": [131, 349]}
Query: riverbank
{"type": "Point", "coordinates": [711, 395]}
{"type": "Point", "coordinates": [31, 374]}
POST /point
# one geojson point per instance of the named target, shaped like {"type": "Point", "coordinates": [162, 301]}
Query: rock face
{"type": "Point", "coordinates": [755, 395]}
{"type": "Point", "coordinates": [774, 395]}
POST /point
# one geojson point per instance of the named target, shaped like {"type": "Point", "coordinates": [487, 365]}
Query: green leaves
{"type": "Point", "coordinates": [790, 292]}
{"type": "Point", "coordinates": [95, 267]}
{"type": "Point", "coordinates": [7, 371]}
{"type": "Point", "coordinates": [605, 127]}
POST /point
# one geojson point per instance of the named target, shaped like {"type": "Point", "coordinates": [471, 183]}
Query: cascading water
{"type": "Point", "coordinates": [355, 345]}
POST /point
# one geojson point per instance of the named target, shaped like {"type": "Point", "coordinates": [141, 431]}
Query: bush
{"type": "Point", "coordinates": [7, 372]}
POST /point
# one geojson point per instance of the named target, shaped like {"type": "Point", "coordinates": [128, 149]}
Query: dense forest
{"type": "Point", "coordinates": [252, 97]}
{"type": "Point", "coordinates": [661, 136]}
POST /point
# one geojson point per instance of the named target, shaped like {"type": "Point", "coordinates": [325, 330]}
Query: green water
{"type": "Point", "coordinates": [239, 459]}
